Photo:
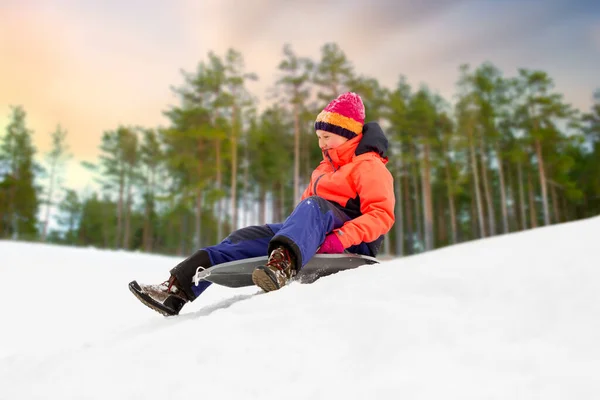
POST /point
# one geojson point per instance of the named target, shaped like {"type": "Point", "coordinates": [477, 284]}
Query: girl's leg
{"type": "Point", "coordinates": [252, 241]}
{"type": "Point", "coordinates": [306, 227]}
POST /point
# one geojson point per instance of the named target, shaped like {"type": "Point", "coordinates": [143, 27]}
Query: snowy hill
{"type": "Point", "coordinates": [511, 317]}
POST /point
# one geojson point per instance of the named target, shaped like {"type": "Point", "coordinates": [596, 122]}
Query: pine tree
{"type": "Point", "coordinates": [295, 81]}
{"type": "Point", "coordinates": [539, 112]}
{"type": "Point", "coordinates": [239, 100]}
{"type": "Point", "coordinates": [69, 216]}
{"type": "Point", "coordinates": [151, 158]}
{"type": "Point", "coordinates": [18, 193]}
{"type": "Point", "coordinates": [334, 72]}
{"type": "Point", "coordinates": [56, 160]}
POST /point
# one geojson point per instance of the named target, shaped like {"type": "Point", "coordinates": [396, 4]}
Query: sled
{"type": "Point", "coordinates": [236, 274]}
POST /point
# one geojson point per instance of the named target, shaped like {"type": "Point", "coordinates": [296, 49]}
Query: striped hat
{"type": "Point", "coordinates": [344, 116]}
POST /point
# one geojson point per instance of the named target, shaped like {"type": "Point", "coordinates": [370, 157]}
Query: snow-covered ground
{"type": "Point", "coordinates": [511, 317]}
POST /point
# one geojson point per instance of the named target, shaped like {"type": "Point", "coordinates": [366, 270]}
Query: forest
{"type": "Point", "coordinates": [505, 154]}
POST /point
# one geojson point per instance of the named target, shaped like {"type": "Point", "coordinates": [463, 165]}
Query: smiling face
{"type": "Point", "coordinates": [328, 140]}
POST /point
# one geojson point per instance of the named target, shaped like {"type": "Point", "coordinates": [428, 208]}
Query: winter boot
{"type": "Point", "coordinates": [166, 298]}
{"type": "Point", "coordinates": [277, 272]}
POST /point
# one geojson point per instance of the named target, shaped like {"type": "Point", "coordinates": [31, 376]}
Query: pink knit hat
{"type": "Point", "coordinates": [344, 116]}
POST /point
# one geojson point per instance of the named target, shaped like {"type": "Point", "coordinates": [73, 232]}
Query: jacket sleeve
{"type": "Point", "coordinates": [375, 188]}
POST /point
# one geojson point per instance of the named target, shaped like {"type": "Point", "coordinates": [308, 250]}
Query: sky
{"type": "Point", "coordinates": [92, 65]}
{"type": "Point", "coordinates": [509, 317]}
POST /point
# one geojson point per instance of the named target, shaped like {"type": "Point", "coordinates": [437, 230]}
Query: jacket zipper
{"type": "Point", "coordinates": [315, 185]}
{"type": "Point", "coordinates": [330, 161]}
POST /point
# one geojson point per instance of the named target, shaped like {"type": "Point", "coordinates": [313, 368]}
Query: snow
{"type": "Point", "coordinates": [511, 317]}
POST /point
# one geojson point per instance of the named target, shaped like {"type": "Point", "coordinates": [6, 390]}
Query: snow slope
{"type": "Point", "coordinates": [511, 317]}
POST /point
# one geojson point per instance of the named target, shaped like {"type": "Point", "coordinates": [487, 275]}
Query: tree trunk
{"type": "Point", "coordinates": [386, 245]}
{"type": "Point", "coordinates": [427, 200]}
{"type": "Point", "coordinates": [120, 208]}
{"type": "Point", "coordinates": [199, 194]}
{"type": "Point", "coordinates": [147, 233]}
{"type": "Point", "coordinates": [234, 165]}
{"type": "Point", "coordinates": [182, 235]}
{"type": "Point", "coordinates": [219, 202]}
{"type": "Point", "coordinates": [14, 219]}
{"type": "Point", "coordinates": [565, 209]}
{"type": "Point", "coordinates": [555, 203]}
{"type": "Point", "coordinates": [246, 195]}
{"type": "Point", "coordinates": [127, 233]}
{"type": "Point", "coordinates": [399, 224]}
{"type": "Point", "coordinates": [522, 206]}
{"type": "Point", "coordinates": [409, 216]}
{"type": "Point", "coordinates": [532, 210]}
{"type": "Point", "coordinates": [262, 205]}
{"type": "Point", "coordinates": [146, 230]}
{"type": "Point", "coordinates": [486, 189]}
{"type": "Point", "coordinates": [450, 193]}
{"type": "Point", "coordinates": [442, 226]}
{"type": "Point", "coordinates": [2, 208]}
{"type": "Point", "coordinates": [417, 188]}
{"type": "Point", "coordinates": [170, 232]}
{"type": "Point", "coordinates": [107, 219]}
{"type": "Point", "coordinates": [281, 203]}
{"type": "Point", "coordinates": [503, 201]}
{"type": "Point", "coordinates": [510, 195]}
{"type": "Point", "coordinates": [474, 220]}
{"type": "Point", "coordinates": [478, 203]}
{"type": "Point", "coordinates": [275, 191]}
{"type": "Point", "coordinates": [198, 224]}
{"type": "Point", "coordinates": [543, 184]}
{"type": "Point", "coordinates": [49, 200]}
{"type": "Point", "coordinates": [296, 154]}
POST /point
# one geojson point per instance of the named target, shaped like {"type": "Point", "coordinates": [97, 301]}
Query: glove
{"type": "Point", "coordinates": [331, 245]}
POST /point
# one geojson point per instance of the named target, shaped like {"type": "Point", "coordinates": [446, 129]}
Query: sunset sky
{"type": "Point", "coordinates": [92, 65]}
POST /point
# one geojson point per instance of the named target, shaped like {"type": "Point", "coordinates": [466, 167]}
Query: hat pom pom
{"type": "Point", "coordinates": [350, 105]}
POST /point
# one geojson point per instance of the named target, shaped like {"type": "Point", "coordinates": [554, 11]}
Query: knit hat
{"type": "Point", "coordinates": [344, 116]}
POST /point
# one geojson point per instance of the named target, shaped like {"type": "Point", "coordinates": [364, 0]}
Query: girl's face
{"type": "Point", "coordinates": [328, 140]}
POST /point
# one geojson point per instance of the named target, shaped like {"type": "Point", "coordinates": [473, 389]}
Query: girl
{"type": "Point", "coordinates": [348, 206]}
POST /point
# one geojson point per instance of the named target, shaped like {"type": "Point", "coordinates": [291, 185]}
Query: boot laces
{"type": "Point", "coordinates": [171, 286]}
{"type": "Point", "coordinates": [280, 259]}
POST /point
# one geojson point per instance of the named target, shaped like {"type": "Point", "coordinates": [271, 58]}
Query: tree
{"type": "Point", "coordinates": [539, 111]}
{"type": "Point", "coordinates": [69, 216]}
{"type": "Point", "coordinates": [151, 158]}
{"type": "Point", "coordinates": [421, 116]}
{"type": "Point", "coordinates": [271, 158]}
{"type": "Point", "coordinates": [396, 116]}
{"type": "Point", "coordinates": [296, 77]}
{"type": "Point", "coordinates": [489, 89]}
{"type": "Point", "coordinates": [98, 225]}
{"type": "Point", "coordinates": [333, 73]}
{"type": "Point", "coordinates": [117, 169]}
{"type": "Point", "coordinates": [18, 193]}
{"type": "Point", "coordinates": [56, 159]}
{"type": "Point", "coordinates": [446, 131]}
{"type": "Point", "coordinates": [239, 99]}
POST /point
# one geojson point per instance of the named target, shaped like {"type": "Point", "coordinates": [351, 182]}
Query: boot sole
{"type": "Point", "coordinates": [263, 280]}
{"type": "Point", "coordinates": [135, 288]}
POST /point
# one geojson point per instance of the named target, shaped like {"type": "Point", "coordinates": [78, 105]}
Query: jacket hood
{"type": "Point", "coordinates": [373, 139]}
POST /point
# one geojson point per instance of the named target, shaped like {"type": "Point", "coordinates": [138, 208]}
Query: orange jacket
{"type": "Point", "coordinates": [354, 176]}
